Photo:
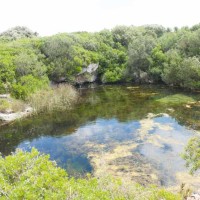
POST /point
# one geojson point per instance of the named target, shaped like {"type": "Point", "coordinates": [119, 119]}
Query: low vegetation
{"type": "Point", "coordinates": [30, 175]}
{"type": "Point", "coordinates": [58, 98]}
{"type": "Point", "coordinates": [4, 105]}
{"type": "Point", "coordinates": [11, 105]}
{"type": "Point", "coordinates": [192, 154]}
{"type": "Point", "coordinates": [176, 99]}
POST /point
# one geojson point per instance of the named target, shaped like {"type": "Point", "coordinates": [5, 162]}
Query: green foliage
{"type": "Point", "coordinates": [172, 68]}
{"type": "Point", "coordinates": [28, 85]}
{"type": "Point", "coordinates": [31, 175]}
{"type": "Point", "coordinates": [17, 32]}
{"type": "Point", "coordinates": [139, 51]}
{"type": "Point", "coordinates": [184, 72]}
{"type": "Point", "coordinates": [190, 73]}
{"type": "Point", "coordinates": [140, 54]}
{"type": "Point", "coordinates": [7, 68]}
{"type": "Point", "coordinates": [28, 63]}
{"type": "Point", "coordinates": [18, 59]}
{"type": "Point", "coordinates": [112, 76]}
{"type": "Point", "coordinates": [158, 30]}
{"type": "Point", "coordinates": [120, 35]}
{"type": "Point", "coordinates": [157, 60]}
{"type": "Point", "coordinates": [192, 154]}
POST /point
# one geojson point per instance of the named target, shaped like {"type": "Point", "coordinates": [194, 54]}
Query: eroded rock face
{"type": "Point", "coordinates": [88, 74]}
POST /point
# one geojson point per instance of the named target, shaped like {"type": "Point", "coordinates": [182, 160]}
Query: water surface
{"type": "Point", "coordinates": [127, 131]}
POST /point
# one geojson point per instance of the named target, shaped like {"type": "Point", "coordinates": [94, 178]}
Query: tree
{"type": "Point", "coordinates": [172, 68]}
{"type": "Point", "coordinates": [7, 69]}
{"type": "Point", "coordinates": [59, 54]}
{"type": "Point", "coordinates": [28, 63]}
{"type": "Point", "coordinates": [139, 51]}
{"type": "Point", "coordinates": [120, 35]}
{"type": "Point", "coordinates": [157, 60]}
{"type": "Point", "coordinates": [190, 73]}
{"type": "Point", "coordinates": [18, 32]}
{"type": "Point", "coordinates": [158, 30]}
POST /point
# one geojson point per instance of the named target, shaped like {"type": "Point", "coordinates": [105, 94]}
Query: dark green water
{"type": "Point", "coordinates": [133, 131]}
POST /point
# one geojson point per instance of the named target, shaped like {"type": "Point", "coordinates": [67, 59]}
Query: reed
{"type": "Point", "coordinates": [58, 98]}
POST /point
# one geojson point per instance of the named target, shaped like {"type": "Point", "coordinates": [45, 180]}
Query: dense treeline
{"type": "Point", "coordinates": [138, 54]}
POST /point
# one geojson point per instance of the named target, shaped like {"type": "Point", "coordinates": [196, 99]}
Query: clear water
{"type": "Point", "coordinates": [121, 130]}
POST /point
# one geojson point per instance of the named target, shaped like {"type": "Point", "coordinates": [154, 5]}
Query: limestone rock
{"type": "Point", "coordinates": [88, 74]}
{"type": "Point", "coordinates": [8, 117]}
{"type": "Point", "coordinates": [194, 196]}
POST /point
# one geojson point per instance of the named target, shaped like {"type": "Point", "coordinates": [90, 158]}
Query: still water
{"type": "Point", "coordinates": [129, 131]}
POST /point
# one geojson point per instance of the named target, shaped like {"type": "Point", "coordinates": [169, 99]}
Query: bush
{"type": "Point", "coordinates": [183, 72]}
{"type": "Point", "coordinates": [192, 154]}
{"type": "Point", "coordinates": [60, 97]}
{"type": "Point", "coordinates": [112, 76]}
{"type": "Point", "coordinates": [11, 105]}
{"type": "Point", "coordinates": [190, 73]}
{"type": "Point", "coordinates": [30, 175]}
{"type": "Point", "coordinates": [28, 85]}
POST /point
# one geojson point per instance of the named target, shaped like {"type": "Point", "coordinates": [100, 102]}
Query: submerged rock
{"type": "Point", "coordinates": [88, 74]}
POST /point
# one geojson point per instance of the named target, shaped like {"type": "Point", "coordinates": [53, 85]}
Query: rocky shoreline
{"type": "Point", "coordinates": [9, 114]}
{"type": "Point", "coordinates": [8, 117]}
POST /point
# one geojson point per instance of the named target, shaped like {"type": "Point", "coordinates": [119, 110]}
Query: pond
{"type": "Point", "coordinates": [138, 132]}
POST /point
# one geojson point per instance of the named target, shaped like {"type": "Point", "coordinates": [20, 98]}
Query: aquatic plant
{"type": "Point", "coordinates": [176, 99]}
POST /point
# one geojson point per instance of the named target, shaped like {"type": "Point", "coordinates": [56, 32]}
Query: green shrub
{"type": "Point", "coordinates": [28, 85]}
{"type": "Point", "coordinates": [30, 175]}
{"type": "Point", "coordinates": [192, 154]}
{"type": "Point", "coordinates": [112, 76]}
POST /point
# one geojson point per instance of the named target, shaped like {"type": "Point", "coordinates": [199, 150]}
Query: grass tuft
{"type": "Point", "coordinates": [61, 97]}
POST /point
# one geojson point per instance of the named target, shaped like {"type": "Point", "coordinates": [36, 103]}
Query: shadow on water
{"type": "Point", "coordinates": [112, 130]}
